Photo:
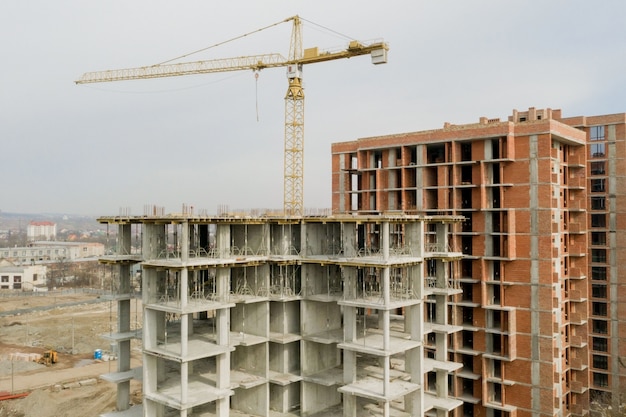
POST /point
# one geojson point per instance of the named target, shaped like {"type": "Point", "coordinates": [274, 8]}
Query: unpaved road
{"type": "Point", "coordinates": [74, 324]}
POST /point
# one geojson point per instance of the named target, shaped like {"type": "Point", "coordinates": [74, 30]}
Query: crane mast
{"type": "Point", "coordinates": [293, 178]}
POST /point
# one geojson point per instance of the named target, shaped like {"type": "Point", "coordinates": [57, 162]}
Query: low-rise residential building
{"type": "Point", "coordinates": [52, 251]}
{"type": "Point", "coordinates": [21, 277]}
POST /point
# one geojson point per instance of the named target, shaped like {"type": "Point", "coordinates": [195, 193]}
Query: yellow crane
{"type": "Point", "coordinates": [294, 100]}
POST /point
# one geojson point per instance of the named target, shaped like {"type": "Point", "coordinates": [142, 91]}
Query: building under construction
{"type": "Point", "coordinates": [341, 315]}
{"type": "Point", "coordinates": [542, 275]}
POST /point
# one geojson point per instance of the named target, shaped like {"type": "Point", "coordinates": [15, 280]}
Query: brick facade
{"type": "Point", "coordinates": [542, 282]}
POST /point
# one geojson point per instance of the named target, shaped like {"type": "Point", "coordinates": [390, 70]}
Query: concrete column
{"type": "Point", "coordinates": [420, 153]}
{"type": "Point", "coordinates": [148, 286]}
{"type": "Point", "coordinates": [123, 325]}
{"type": "Point", "coordinates": [386, 284]}
{"type": "Point", "coordinates": [150, 376]}
{"type": "Point", "coordinates": [153, 240]}
{"type": "Point", "coordinates": [184, 247]}
{"type": "Point", "coordinates": [614, 267]}
{"type": "Point", "coordinates": [349, 240]}
{"type": "Point", "coordinates": [123, 356]}
{"type": "Point", "coordinates": [535, 357]}
{"type": "Point", "coordinates": [124, 239]}
{"type": "Point", "coordinates": [184, 288]}
{"type": "Point", "coordinates": [384, 236]}
{"type": "Point", "coordinates": [412, 239]}
{"type": "Point", "coordinates": [442, 236]}
{"type": "Point", "coordinates": [222, 318]}
{"type": "Point", "coordinates": [124, 283]}
{"type": "Point", "coordinates": [349, 324]}
{"type": "Point", "coordinates": [386, 375]}
{"type": "Point", "coordinates": [123, 396]}
{"type": "Point", "coordinates": [222, 240]}
{"type": "Point", "coordinates": [123, 317]}
{"type": "Point", "coordinates": [442, 279]}
{"type": "Point", "coordinates": [184, 383]}
{"type": "Point", "coordinates": [123, 347]}
{"type": "Point", "coordinates": [283, 240]}
{"type": "Point", "coordinates": [349, 376]}
{"type": "Point", "coordinates": [184, 336]}
{"type": "Point", "coordinates": [184, 273]}
{"type": "Point", "coordinates": [442, 383]}
{"type": "Point", "coordinates": [413, 403]}
{"type": "Point", "coordinates": [222, 377]}
{"type": "Point", "coordinates": [159, 326]}
{"type": "Point", "coordinates": [414, 322]}
{"type": "Point", "coordinates": [441, 308]}
{"type": "Point", "coordinates": [343, 179]}
{"type": "Point", "coordinates": [386, 330]}
{"type": "Point", "coordinates": [349, 405]}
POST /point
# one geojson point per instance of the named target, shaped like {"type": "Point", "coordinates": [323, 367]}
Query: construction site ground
{"type": "Point", "coordinates": [73, 324]}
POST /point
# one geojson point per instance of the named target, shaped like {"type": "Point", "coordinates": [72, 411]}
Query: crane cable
{"type": "Point", "coordinates": [251, 33]}
{"type": "Point", "coordinates": [256, 73]}
{"type": "Point", "coordinates": [328, 29]}
{"type": "Point", "coordinates": [223, 42]}
{"type": "Point", "coordinates": [256, 93]}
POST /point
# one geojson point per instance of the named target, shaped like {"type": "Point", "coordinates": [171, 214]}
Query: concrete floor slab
{"type": "Point", "coordinates": [373, 389]}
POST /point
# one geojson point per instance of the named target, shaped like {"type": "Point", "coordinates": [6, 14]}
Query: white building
{"type": "Point", "coordinates": [52, 251]}
{"type": "Point", "coordinates": [41, 231]}
{"type": "Point", "coordinates": [26, 277]}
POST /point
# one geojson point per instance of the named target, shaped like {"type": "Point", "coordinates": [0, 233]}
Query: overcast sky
{"type": "Point", "coordinates": [93, 149]}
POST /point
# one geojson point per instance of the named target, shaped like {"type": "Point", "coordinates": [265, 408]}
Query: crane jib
{"type": "Point", "coordinates": [294, 100]}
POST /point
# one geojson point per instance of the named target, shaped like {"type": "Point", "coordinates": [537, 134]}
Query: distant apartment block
{"type": "Point", "coordinates": [41, 230]}
{"type": "Point", "coordinates": [543, 275]}
{"type": "Point", "coordinates": [52, 251]}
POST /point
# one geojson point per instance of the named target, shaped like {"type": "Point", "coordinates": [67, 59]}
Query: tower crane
{"type": "Point", "coordinates": [294, 98]}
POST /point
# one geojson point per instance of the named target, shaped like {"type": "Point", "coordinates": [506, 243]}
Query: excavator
{"type": "Point", "coordinates": [49, 357]}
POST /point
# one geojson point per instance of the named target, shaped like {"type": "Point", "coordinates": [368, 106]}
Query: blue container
{"type": "Point", "coordinates": [97, 354]}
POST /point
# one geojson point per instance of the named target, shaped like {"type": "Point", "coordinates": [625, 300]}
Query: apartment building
{"type": "Point", "coordinates": [344, 315]}
{"type": "Point", "coordinates": [37, 252]}
{"type": "Point", "coordinates": [41, 230]}
{"type": "Point", "coordinates": [606, 153]}
{"type": "Point", "coordinates": [528, 322]}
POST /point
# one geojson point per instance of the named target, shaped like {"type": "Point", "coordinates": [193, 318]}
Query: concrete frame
{"type": "Point", "coordinates": [284, 316]}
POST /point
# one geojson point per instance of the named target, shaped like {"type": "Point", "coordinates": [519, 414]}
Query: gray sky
{"type": "Point", "coordinates": [95, 148]}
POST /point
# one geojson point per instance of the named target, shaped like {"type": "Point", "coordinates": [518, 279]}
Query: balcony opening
{"type": "Point", "coordinates": [468, 339]}
{"type": "Point", "coordinates": [497, 368]}
{"type": "Point", "coordinates": [466, 241]}
{"type": "Point", "coordinates": [435, 153]}
{"type": "Point", "coordinates": [466, 198]}
{"type": "Point", "coordinates": [466, 151]}
{"type": "Point", "coordinates": [466, 226]}
{"type": "Point", "coordinates": [495, 148]}
{"type": "Point", "coordinates": [495, 197]}
{"type": "Point", "coordinates": [468, 316]}
{"type": "Point", "coordinates": [467, 289]}
{"type": "Point", "coordinates": [466, 174]}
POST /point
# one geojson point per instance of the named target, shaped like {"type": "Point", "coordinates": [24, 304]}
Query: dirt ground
{"type": "Point", "coordinates": [75, 332]}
